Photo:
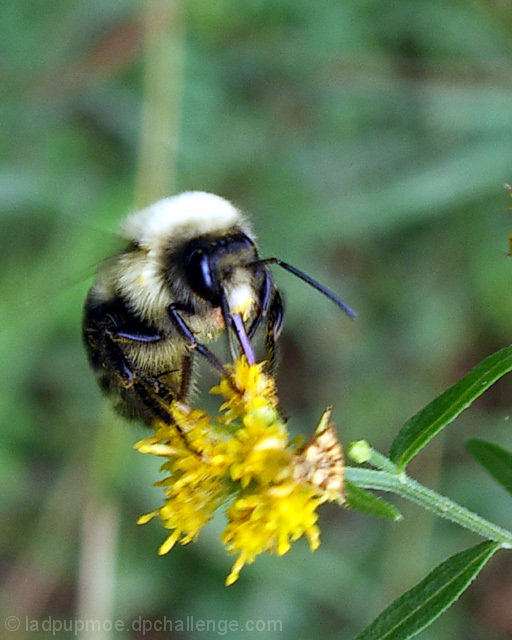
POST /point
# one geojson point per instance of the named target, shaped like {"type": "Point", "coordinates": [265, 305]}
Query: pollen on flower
{"type": "Point", "coordinates": [243, 455]}
{"type": "Point", "coordinates": [269, 520]}
{"type": "Point", "coordinates": [247, 389]}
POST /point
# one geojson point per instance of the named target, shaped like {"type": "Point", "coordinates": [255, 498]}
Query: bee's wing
{"type": "Point", "coordinates": [45, 273]}
{"type": "Point", "coordinates": [40, 263]}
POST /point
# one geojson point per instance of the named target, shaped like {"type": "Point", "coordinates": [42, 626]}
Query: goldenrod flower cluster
{"type": "Point", "coordinates": [244, 456]}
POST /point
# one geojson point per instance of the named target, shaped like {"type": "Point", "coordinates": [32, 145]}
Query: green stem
{"type": "Point", "coordinates": [380, 461]}
{"type": "Point", "coordinates": [406, 487]}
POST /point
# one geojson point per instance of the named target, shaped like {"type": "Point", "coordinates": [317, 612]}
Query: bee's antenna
{"type": "Point", "coordinates": [316, 285]}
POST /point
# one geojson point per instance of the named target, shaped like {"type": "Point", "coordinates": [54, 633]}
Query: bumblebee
{"type": "Point", "coordinates": [190, 272]}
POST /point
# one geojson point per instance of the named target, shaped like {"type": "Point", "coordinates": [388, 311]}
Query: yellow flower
{"type": "Point", "coordinates": [249, 388]}
{"type": "Point", "coordinates": [258, 450]}
{"type": "Point", "coordinates": [244, 455]}
{"type": "Point", "coordinates": [188, 507]}
{"type": "Point", "coordinates": [196, 485]}
{"type": "Point", "coordinates": [268, 520]}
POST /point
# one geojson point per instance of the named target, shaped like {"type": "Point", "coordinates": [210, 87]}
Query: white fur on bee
{"type": "Point", "coordinates": [180, 217]}
{"type": "Point", "coordinates": [155, 229]}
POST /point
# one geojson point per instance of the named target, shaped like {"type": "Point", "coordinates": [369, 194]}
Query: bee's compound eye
{"type": "Point", "coordinates": [200, 276]}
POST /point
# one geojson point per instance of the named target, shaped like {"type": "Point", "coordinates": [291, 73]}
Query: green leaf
{"type": "Point", "coordinates": [361, 500]}
{"type": "Point", "coordinates": [419, 607]}
{"type": "Point", "coordinates": [422, 427]}
{"type": "Point", "coordinates": [496, 460]}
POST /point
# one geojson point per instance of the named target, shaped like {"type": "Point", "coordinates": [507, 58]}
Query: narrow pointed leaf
{"type": "Point", "coordinates": [361, 500]}
{"type": "Point", "coordinates": [496, 460]}
{"type": "Point", "coordinates": [427, 423]}
{"type": "Point", "coordinates": [419, 607]}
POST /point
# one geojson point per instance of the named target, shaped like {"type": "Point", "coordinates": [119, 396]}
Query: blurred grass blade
{"type": "Point", "coordinates": [361, 500]}
{"type": "Point", "coordinates": [422, 427]}
{"type": "Point", "coordinates": [496, 460]}
{"type": "Point", "coordinates": [419, 607]}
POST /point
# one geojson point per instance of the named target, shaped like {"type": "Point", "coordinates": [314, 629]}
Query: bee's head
{"type": "Point", "coordinates": [217, 267]}
{"type": "Point", "coordinates": [199, 246]}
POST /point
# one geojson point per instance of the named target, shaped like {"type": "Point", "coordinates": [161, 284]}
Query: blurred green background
{"type": "Point", "coordinates": [370, 142]}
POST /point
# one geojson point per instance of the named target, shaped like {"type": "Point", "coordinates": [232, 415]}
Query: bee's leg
{"type": "Point", "coordinates": [187, 334]}
{"type": "Point", "coordinates": [117, 361]}
{"type": "Point", "coordinates": [187, 365]}
{"type": "Point", "coordinates": [151, 392]}
{"type": "Point", "coordinates": [267, 289]}
{"type": "Point", "coordinates": [158, 404]}
{"type": "Point", "coordinates": [275, 317]}
{"type": "Point", "coordinates": [126, 370]}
